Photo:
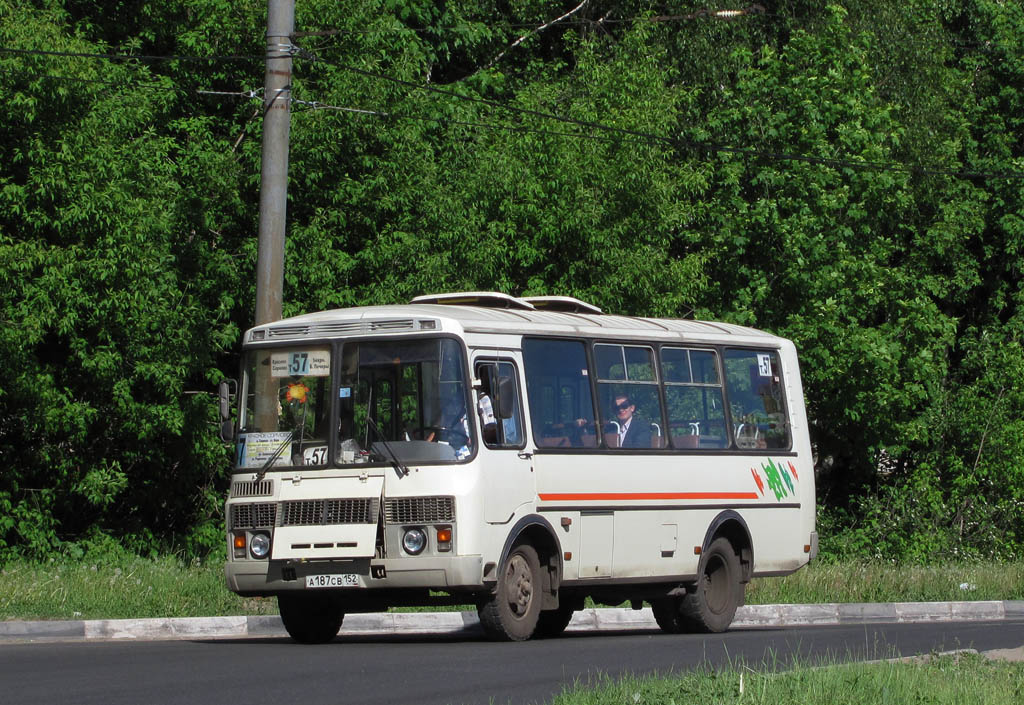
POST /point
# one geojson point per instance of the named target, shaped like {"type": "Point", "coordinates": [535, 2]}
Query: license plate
{"type": "Point", "coordinates": [332, 581]}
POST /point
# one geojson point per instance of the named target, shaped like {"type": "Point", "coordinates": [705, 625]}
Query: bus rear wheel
{"type": "Point", "coordinates": [667, 614]}
{"type": "Point", "coordinates": [512, 611]}
{"type": "Point", "coordinates": [712, 605]}
{"type": "Point", "coordinates": [310, 619]}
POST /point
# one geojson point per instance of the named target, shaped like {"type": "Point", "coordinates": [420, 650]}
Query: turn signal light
{"type": "Point", "coordinates": [444, 538]}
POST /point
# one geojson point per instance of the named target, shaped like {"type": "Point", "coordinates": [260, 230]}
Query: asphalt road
{"type": "Point", "coordinates": [441, 670]}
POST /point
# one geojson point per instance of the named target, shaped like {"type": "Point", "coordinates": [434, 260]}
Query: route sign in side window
{"type": "Point", "coordinates": [753, 382]}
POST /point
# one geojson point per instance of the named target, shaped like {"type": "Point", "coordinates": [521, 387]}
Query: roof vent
{"type": "Point", "coordinates": [562, 304]}
{"type": "Point", "coordinates": [488, 299]}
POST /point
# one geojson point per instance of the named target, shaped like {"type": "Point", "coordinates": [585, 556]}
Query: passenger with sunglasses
{"type": "Point", "coordinates": [632, 430]}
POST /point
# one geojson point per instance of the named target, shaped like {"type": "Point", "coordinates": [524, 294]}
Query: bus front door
{"type": "Point", "coordinates": [507, 471]}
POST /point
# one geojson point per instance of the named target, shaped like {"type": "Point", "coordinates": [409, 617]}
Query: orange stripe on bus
{"type": "Point", "coordinates": [612, 496]}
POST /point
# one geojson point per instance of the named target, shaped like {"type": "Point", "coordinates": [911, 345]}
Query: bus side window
{"type": "Point", "coordinates": [693, 397]}
{"type": "Point", "coordinates": [558, 392]}
{"type": "Point", "coordinates": [627, 389]}
{"type": "Point", "coordinates": [756, 401]}
{"type": "Point", "coordinates": [501, 416]}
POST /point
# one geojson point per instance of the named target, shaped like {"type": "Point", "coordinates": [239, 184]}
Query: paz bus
{"type": "Point", "coordinates": [516, 454]}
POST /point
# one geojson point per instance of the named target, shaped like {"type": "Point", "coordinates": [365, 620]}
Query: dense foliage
{"type": "Point", "coordinates": [847, 175]}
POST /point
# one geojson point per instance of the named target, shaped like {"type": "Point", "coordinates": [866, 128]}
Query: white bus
{"type": "Point", "coordinates": [519, 454]}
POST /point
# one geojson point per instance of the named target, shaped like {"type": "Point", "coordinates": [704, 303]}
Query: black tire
{"type": "Point", "coordinates": [512, 611]}
{"type": "Point", "coordinates": [311, 619]}
{"type": "Point", "coordinates": [551, 623]}
{"type": "Point", "coordinates": [712, 606]}
{"type": "Point", "coordinates": [666, 614]}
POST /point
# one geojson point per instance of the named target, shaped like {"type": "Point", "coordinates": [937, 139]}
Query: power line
{"type": "Point", "coordinates": [618, 132]}
{"type": "Point", "coordinates": [134, 84]}
{"type": "Point", "coordinates": [708, 147]}
{"type": "Point", "coordinates": [752, 10]}
{"type": "Point", "coordinates": [313, 106]}
{"type": "Point", "coordinates": [78, 79]}
{"type": "Point", "coordinates": [129, 57]}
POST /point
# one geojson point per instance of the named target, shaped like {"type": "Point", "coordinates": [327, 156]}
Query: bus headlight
{"type": "Point", "coordinates": [414, 541]}
{"type": "Point", "coordinates": [259, 545]}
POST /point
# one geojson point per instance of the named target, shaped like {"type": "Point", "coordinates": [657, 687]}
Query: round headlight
{"type": "Point", "coordinates": [414, 541]}
{"type": "Point", "coordinates": [259, 545]}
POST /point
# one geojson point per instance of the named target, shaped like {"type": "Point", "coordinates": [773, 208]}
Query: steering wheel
{"type": "Point", "coordinates": [426, 431]}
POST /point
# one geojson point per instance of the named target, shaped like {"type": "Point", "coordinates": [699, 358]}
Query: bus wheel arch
{"type": "Point", "coordinates": [538, 532]}
{"type": "Point", "coordinates": [526, 582]}
{"type": "Point", "coordinates": [725, 567]}
{"type": "Point", "coordinates": [731, 526]}
{"type": "Point", "coordinates": [711, 605]}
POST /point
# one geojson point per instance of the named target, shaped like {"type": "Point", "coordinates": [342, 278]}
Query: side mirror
{"type": "Point", "coordinates": [225, 392]}
{"type": "Point", "coordinates": [224, 396]}
{"type": "Point", "coordinates": [506, 398]}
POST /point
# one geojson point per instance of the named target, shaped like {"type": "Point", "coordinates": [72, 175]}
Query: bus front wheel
{"type": "Point", "coordinates": [551, 623]}
{"type": "Point", "coordinates": [712, 605]}
{"type": "Point", "coordinates": [310, 619]}
{"type": "Point", "coordinates": [511, 612]}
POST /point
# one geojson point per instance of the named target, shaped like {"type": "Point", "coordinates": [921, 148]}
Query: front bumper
{"type": "Point", "coordinates": [261, 578]}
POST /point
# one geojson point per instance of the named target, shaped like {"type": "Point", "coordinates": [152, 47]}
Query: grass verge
{"type": "Point", "coordinates": [120, 588]}
{"type": "Point", "coordinates": [959, 680]}
{"type": "Point", "coordinates": [131, 587]}
{"type": "Point", "coordinates": [888, 582]}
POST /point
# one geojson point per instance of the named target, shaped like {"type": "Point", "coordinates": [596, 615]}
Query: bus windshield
{"type": "Point", "coordinates": [285, 418]}
{"type": "Point", "coordinates": [403, 400]}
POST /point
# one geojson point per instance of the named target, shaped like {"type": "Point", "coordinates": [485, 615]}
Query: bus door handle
{"type": "Point", "coordinates": [525, 455]}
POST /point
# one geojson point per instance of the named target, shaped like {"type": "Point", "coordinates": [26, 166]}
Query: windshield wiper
{"type": "Point", "coordinates": [395, 462]}
{"type": "Point", "coordinates": [276, 454]}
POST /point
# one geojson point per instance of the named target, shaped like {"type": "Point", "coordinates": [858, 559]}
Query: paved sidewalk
{"type": "Point", "coordinates": [603, 619]}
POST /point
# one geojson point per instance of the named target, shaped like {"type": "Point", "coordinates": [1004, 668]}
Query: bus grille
{"type": "Point", "coordinates": [312, 512]}
{"type": "Point", "coordinates": [251, 488]}
{"type": "Point", "coordinates": [253, 516]}
{"type": "Point", "coordinates": [419, 510]}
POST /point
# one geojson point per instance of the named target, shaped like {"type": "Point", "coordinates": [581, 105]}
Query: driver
{"type": "Point", "coordinates": [453, 427]}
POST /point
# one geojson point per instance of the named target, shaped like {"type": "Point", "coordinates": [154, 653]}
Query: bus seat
{"type": "Point", "coordinates": [687, 441]}
{"type": "Point", "coordinates": [657, 440]}
{"type": "Point", "coordinates": [554, 442]}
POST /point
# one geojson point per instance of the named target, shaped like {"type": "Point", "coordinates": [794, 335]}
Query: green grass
{"type": "Point", "coordinates": [961, 680]}
{"type": "Point", "coordinates": [125, 587]}
{"type": "Point", "coordinates": [128, 587]}
{"type": "Point", "coordinates": [887, 582]}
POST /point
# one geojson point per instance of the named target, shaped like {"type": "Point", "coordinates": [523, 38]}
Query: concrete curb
{"type": "Point", "coordinates": [466, 623]}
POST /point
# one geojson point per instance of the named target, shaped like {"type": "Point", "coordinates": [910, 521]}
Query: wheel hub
{"type": "Point", "coordinates": [519, 585]}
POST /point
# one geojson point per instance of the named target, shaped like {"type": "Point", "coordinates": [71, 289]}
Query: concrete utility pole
{"type": "Point", "coordinates": [274, 170]}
